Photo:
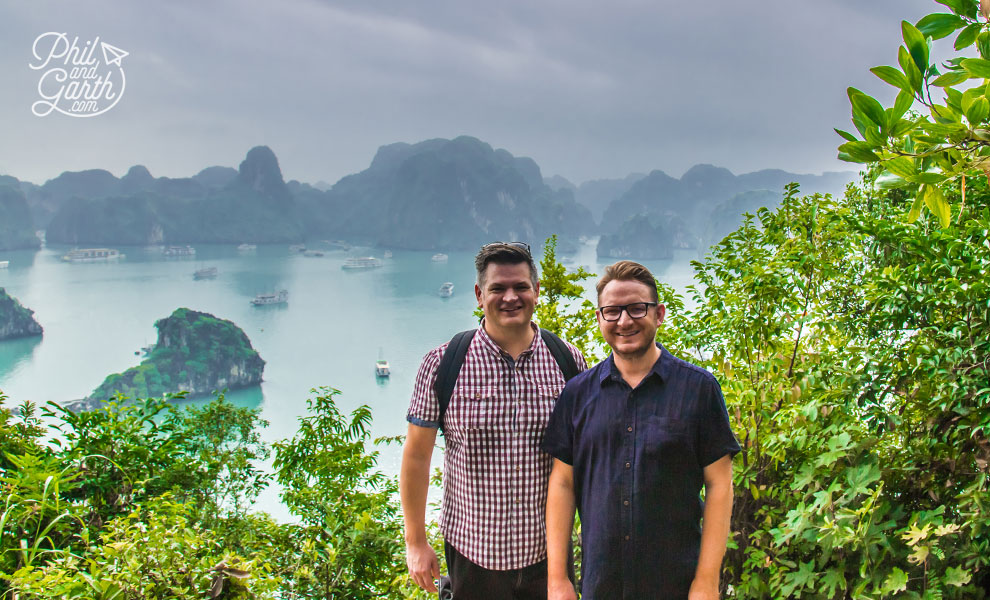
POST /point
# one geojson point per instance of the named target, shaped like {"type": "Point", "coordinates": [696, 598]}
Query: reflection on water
{"type": "Point", "coordinates": [15, 353]}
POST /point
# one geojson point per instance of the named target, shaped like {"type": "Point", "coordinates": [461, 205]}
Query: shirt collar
{"type": "Point", "coordinates": [491, 347]}
{"type": "Point", "coordinates": [660, 368]}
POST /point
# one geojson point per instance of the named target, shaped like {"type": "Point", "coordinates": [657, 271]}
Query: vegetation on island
{"type": "Point", "coordinates": [195, 353]}
{"type": "Point", "coordinates": [16, 320]}
{"type": "Point", "coordinates": [16, 224]}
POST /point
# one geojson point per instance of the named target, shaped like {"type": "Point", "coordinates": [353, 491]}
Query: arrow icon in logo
{"type": "Point", "coordinates": [113, 51]}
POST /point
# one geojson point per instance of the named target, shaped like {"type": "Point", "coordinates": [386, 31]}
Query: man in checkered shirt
{"type": "Point", "coordinates": [495, 475]}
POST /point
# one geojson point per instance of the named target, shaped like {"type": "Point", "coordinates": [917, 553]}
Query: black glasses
{"type": "Point", "coordinates": [636, 310]}
{"type": "Point", "coordinates": [520, 245]}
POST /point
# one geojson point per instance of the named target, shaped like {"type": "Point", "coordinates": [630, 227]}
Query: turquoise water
{"type": "Point", "coordinates": [336, 323]}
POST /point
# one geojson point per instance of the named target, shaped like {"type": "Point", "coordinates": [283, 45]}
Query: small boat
{"type": "Point", "coordinates": [92, 255]}
{"type": "Point", "coordinates": [297, 248]}
{"type": "Point", "coordinates": [388, 254]}
{"type": "Point", "coordinates": [4, 264]}
{"type": "Point", "coordinates": [205, 273]}
{"type": "Point", "coordinates": [439, 257]}
{"type": "Point", "coordinates": [361, 262]}
{"type": "Point", "coordinates": [172, 251]}
{"type": "Point", "coordinates": [282, 297]}
{"type": "Point", "coordinates": [381, 368]}
{"type": "Point", "coordinates": [447, 290]}
{"type": "Point", "coordinates": [312, 253]}
{"type": "Point", "coordinates": [246, 248]}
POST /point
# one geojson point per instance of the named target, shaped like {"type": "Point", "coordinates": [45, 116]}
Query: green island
{"type": "Point", "coordinates": [850, 336]}
{"type": "Point", "coordinates": [15, 320]}
{"type": "Point", "coordinates": [196, 353]}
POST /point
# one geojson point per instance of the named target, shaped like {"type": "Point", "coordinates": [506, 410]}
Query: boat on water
{"type": "Point", "coordinates": [280, 297]}
{"type": "Point", "coordinates": [246, 248]}
{"type": "Point", "coordinates": [179, 251]}
{"type": "Point", "coordinates": [92, 255]}
{"type": "Point", "coordinates": [446, 290]}
{"type": "Point", "coordinates": [382, 368]}
{"type": "Point", "coordinates": [337, 244]}
{"type": "Point", "coordinates": [205, 273]}
{"type": "Point", "coordinates": [388, 254]}
{"type": "Point", "coordinates": [439, 257]}
{"type": "Point", "coordinates": [313, 253]}
{"type": "Point", "coordinates": [361, 262]}
{"type": "Point", "coordinates": [297, 248]}
{"type": "Point", "coordinates": [4, 264]}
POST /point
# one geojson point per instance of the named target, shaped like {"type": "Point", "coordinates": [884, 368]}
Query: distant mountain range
{"type": "Point", "coordinates": [437, 194]}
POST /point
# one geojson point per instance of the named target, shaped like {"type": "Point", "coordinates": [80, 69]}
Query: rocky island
{"type": "Point", "coordinates": [195, 353]}
{"type": "Point", "coordinates": [15, 320]}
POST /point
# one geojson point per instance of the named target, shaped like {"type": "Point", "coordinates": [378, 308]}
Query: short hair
{"type": "Point", "coordinates": [502, 253]}
{"type": "Point", "coordinates": [627, 270]}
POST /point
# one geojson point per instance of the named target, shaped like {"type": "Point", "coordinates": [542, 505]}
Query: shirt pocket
{"type": "Point", "coordinates": [471, 408]}
{"type": "Point", "coordinates": [667, 440]}
{"type": "Point", "coordinates": [539, 407]}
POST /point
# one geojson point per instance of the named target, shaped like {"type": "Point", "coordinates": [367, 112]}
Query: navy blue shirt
{"type": "Point", "coordinates": [638, 457]}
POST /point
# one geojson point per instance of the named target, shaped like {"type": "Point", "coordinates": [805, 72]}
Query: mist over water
{"type": "Point", "coordinates": [336, 324]}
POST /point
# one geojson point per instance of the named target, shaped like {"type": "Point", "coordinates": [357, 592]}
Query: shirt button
{"type": "Point", "coordinates": [629, 428]}
{"type": "Point", "coordinates": [625, 502]}
{"type": "Point", "coordinates": [627, 538]}
{"type": "Point", "coordinates": [628, 465]}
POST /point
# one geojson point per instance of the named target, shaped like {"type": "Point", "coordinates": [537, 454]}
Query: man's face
{"type": "Point", "coordinates": [629, 338]}
{"type": "Point", "coordinates": [508, 297]}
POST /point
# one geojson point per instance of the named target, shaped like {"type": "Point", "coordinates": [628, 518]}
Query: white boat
{"type": "Point", "coordinates": [381, 368]}
{"type": "Point", "coordinates": [282, 297]}
{"type": "Point", "coordinates": [447, 290]}
{"type": "Point", "coordinates": [312, 253]}
{"type": "Point", "coordinates": [361, 262]}
{"type": "Point", "coordinates": [439, 257]}
{"type": "Point", "coordinates": [247, 248]}
{"type": "Point", "coordinates": [179, 251]}
{"type": "Point", "coordinates": [388, 254]}
{"type": "Point", "coordinates": [4, 264]}
{"type": "Point", "coordinates": [205, 273]}
{"type": "Point", "coordinates": [297, 248]}
{"type": "Point", "coordinates": [92, 255]}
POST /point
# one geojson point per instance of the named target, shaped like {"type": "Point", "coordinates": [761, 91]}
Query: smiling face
{"type": "Point", "coordinates": [630, 338]}
{"type": "Point", "coordinates": [508, 296]}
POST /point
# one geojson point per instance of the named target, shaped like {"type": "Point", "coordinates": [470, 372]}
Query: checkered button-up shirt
{"type": "Point", "coordinates": [495, 475]}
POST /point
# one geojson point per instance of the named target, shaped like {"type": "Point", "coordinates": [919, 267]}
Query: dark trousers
{"type": "Point", "coordinates": [472, 582]}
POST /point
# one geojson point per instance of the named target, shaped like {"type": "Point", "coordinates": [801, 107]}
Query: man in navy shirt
{"type": "Point", "coordinates": [634, 441]}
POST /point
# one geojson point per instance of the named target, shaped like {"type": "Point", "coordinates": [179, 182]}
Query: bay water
{"type": "Point", "coordinates": [337, 323]}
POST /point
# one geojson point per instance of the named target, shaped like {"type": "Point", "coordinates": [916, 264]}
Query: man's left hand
{"type": "Point", "coordinates": [703, 590]}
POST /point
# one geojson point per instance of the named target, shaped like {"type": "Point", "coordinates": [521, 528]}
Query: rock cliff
{"type": "Point", "coordinates": [15, 320]}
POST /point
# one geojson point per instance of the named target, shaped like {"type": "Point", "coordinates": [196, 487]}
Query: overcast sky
{"type": "Point", "coordinates": [587, 89]}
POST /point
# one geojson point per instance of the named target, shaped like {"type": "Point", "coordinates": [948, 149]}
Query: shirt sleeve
{"type": "Point", "coordinates": [424, 407]}
{"type": "Point", "coordinates": [558, 441]}
{"type": "Point", "coordinates": [715, 436]}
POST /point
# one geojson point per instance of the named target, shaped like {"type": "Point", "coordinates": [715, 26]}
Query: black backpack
{"type": "Point", "coordinates": [453, 358]}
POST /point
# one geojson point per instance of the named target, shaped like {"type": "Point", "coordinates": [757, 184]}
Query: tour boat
{"type": "Point", "coordinates": [447, 290]}
{"type": "Point", "coordinates": [361, 262]}
{"type": "Point", "coordinates": [439, 257]}
{"type": "Point", "coordinates": [205, 273]}
{"type": "Point", "coordinates": [92, 255]}
{"type": "Point", "coordinates": [282, 297]}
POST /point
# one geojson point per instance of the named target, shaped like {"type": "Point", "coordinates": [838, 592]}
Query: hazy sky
{"type": "Point", "coordinates": [587, 89]}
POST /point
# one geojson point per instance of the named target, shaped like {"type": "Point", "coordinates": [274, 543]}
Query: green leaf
{"type": "Point", "coordinates": [936, 202]}
{"type": "Point", "coordinates": [915, 211]}
{"type": "Point", "coordinates": [977, 67]}
{"type": "Point", "coordinates": [967, 36]}
{"type": "Point", "coordinates": [846, 135]}
{"type": "Point", "coordinates": [903, 102]}
{"type": "Point", "coordinates": [892, 76]}
{"type": "Point", "coordinates": [889, 181]}
{"type": "Point", "coordinates": [951, 78]}
{"type": "Point", "coordinates": [867, 106]}
{"type": "Point", "coordinates": [901, 165]}
{"type": "Point", "coordinates": [983, 44]}
{"type": "Point", "coordinates": [861, 152]}
{"type": "Point", "coordinates": [896, 582]}
{"type": "Point", "coordinates": [978, 111]}
{"type": "Point", "coordinates": [910, 69]}
{"type": "Point", "coordinates": [957, 576]}
{"type": "Point", "coordinates": [928, 178]}
{"type": "Point", "coordinates": [939, 25]}
{"type": "Point", "coordinates": [916, 45]}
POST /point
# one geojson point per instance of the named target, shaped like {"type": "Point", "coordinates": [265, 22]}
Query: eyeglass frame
{"type": "Point", "coordinates": [520, 245]}
{"type": "Point", "coordinates": [625, 307]}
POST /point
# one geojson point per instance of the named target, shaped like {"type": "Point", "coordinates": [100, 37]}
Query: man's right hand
{"type": "Point", "coordinates": [561, 590]}
{"type": "Point", "coordinates": [421, 560]}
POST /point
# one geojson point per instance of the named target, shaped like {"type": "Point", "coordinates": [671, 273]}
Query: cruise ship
{"type": "Point", "coordinates": [439, 257]}
{"type": "Point", "coordinates": [179, 251]}
{"type": "Point", "coordinates": [361, 262]}
{"type": "Point", "coordinates": [282, 297]}
{"type": "Point", "coordinates": [205, 273]}
{"type": "Point", "coordinates": [93, 255]}
{"type": "Point", "coordinates": [447, 290]}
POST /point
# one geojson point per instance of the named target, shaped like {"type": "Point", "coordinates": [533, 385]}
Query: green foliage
{"type": "Point", "coordinates": [561, 308]}
{"type": "Point", "coordinates": [950, 138]}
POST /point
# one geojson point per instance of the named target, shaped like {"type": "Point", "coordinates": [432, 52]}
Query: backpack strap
{"type": "Point", "coordinates": [453, 358]}
{"type": "Point", "coordinates": [561, 354]}
{"type": "Point", "coordinates": [449, 368]}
